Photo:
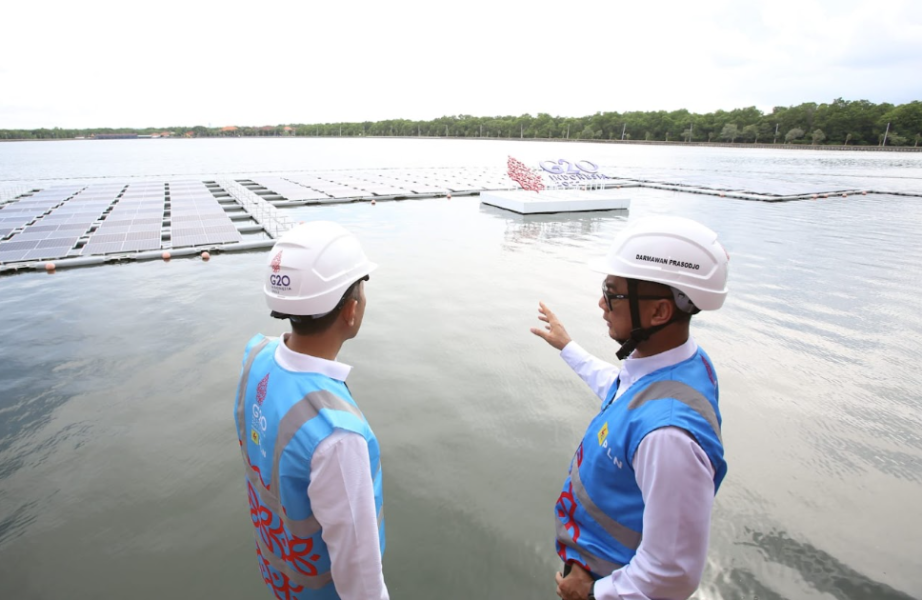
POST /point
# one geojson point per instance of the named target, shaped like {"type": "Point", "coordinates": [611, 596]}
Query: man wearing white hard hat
{"type": "Point", "coordinates": [634, 515]}
{"type": "Point", "coordinates": [312, 463]}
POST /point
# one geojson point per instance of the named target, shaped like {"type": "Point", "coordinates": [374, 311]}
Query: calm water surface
{"type": "Point", "coordinates": [119, 468]}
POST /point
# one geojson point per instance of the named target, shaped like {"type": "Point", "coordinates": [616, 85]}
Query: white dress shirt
{"type": "Point", "coordinates": [676, 479]}
{"type": "Point", "coordinates": [342, 495]}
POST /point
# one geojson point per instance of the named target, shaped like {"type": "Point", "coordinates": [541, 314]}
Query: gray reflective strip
{"type": "Point", "coordinates": [314, 582]}
{"type": "Point", "coordinates": [664, 390]}
{"type": "Point", "coordinates": [242, 389]}
{"type": "Point", "coordinates": [304, 528]}
{"type": "Point", "coordinates": [598, 565]}
{"type": "Point", "coordinates": [626, 537]}
{"type": "Point", "coordinates": [299, 414]}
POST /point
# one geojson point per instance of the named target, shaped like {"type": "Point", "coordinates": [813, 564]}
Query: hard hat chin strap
{"type": "Point", "coordinates": [638, 333]}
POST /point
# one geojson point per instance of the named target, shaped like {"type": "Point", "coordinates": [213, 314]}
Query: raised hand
{"type": "Point", "coordinates": [553, 333]}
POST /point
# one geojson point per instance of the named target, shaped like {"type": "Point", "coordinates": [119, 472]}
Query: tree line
{"type": "Point", "coordinates": [849, 122]}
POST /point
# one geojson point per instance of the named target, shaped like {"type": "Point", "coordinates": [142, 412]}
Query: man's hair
{"type": "Point", "coordinates": [311, 326]}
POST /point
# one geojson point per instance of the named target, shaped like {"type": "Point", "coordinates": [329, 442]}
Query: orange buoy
{"type": "Point", "coordinates": [864, 193]}
{"type": "Point", "coordinates": [373, 202]}
{"type": "Point", "coordinates": [825, 195]}
{"type": "Point", "coordinates": [449, 196]}
{"type": "Point", "coordinates": [721, 194]}
{"type": "Point", "coordinates": [815, 196]}
{"type": "Point", "coordinates": [205, 256]}
{"type": "Point", "coordinates": [166, 256]}
{"type": "Point", "coordinates": [49, 266]}
{"type": "Point", "coordinates": [845, 195]}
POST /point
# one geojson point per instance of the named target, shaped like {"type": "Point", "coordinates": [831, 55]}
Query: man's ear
{"type": "Point", "coordinates": [663, 312]}
{"type": "Point", "coordinates": [348, 312]}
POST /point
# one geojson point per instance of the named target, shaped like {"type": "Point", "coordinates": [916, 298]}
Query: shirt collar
{"type": "Point", "coordinates": [296, 362]}
{"type": "Point", "coordinates": [633, 369]}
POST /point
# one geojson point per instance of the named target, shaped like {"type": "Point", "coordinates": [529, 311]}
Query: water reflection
{"type": "Point", "coordinates": [556, 228]}
{"type": "Point", "coordinates": [822, 571]}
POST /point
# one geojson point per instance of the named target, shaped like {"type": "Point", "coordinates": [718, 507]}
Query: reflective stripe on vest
{"type": "Point", "coordinates": [686, 394]}
{"type": "Point", "coordinates": [300, 413]}
{"type": "Point", "coordinates": [626, 536]}
{"type": "Point", "coordinates": [597, 565]}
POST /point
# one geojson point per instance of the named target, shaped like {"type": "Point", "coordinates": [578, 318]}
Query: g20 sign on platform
{"type": "Point", "coordinates": [564, 172]}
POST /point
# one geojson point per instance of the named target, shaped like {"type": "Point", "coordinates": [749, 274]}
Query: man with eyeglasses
{"type": "Point", "coordinates": [634, 515]}
{"type": "Point", "coordinates": [312, 463]}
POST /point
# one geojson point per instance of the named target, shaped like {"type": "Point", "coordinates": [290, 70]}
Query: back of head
{"type": "Point", "coordinates": [311, 267]}
{"type": "Point", "coordinates": [674, 251]}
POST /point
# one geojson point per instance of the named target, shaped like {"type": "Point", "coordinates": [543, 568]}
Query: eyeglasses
{"type": "Point", "coordinates": [610, 296]}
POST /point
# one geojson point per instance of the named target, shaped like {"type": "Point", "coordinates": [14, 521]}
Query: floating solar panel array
{"type": "Point", "coordinates": [329, 186]}
{"type": "Point", "coordinates": [135, 224]}
{"type": "Point", "coordinates": [197, 218]}
{"type": "Point", "coordinates": [14, 215]}
{"type": "Point", "coordinates": [55, 233]}
{"type": "Point", "coordinates": [290, 190]}
{"type": "Point", "coordinates": [362, 184]}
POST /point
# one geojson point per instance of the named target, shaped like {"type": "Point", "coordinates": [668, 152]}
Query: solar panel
{"type": "Point", "coordinates": [101, 238]}
{"type": "Point", "coordinates": [57, 242]}
{"type": "Point", "coordinates": [101, 248]}
{"type": "Point", "coordinates": [14, 245]}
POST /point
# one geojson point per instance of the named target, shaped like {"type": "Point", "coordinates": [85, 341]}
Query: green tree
{"type": "Point", "coordinates": [730, 132]}
{"type": "Point", "coordinates": [751, 133]}
{"type": "Point", "coordinates": [794, 134]}
{"type": "Point", "coordinates": [818, 136]}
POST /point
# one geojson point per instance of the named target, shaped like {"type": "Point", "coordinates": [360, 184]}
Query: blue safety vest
{"type": "Point", "coordinates": [281, 418]}
{"type": "Point", "coordinates": [600, 510]}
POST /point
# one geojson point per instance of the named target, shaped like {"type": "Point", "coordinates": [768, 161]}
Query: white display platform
{"type": "Point", "coordinates": [556, 201]}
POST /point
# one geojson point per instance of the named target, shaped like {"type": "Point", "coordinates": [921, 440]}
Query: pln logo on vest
{"type": "Point", "coordinates": [603, 441]}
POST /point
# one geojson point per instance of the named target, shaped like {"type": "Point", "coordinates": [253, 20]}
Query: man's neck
{"type": "Point", "coordinates": [322, 345]}
{"type": "Point", "coordinates": [657, 344]}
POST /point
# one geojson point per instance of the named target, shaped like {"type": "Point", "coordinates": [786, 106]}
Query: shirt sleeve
{"type": "Point", "coordinates": [677, 482]}
{"type": "Point", "coordinates": [342, 498]}
{"type": "Point", "coordinates": [598, 374]}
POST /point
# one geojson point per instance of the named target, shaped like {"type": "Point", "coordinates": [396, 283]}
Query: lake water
{"type": "Point", "coordinates": [119, 469]}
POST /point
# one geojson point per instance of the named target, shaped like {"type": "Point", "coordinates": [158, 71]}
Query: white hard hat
{"type": "Point", "coordinates": [310, 268]}
{"type": "Point", "coordinates": [674, 251]}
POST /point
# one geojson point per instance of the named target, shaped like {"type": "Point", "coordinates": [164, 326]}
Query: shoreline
{"type": "Point", "coordinates": [740, 146]}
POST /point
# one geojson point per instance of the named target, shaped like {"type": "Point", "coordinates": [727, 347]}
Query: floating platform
{"type": "Point", "coordinates": [556, 201]}
{"type": "Point", "coordinates": [83, 225]}
{"type": "Point", "coordinates": [79, 224]}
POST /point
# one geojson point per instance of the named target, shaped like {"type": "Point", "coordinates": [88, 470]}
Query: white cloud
{"type": "Point", "coordinates": [106, 63]}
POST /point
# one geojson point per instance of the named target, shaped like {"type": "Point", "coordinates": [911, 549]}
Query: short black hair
{"type": "Point", "coordinates": [313, 326]}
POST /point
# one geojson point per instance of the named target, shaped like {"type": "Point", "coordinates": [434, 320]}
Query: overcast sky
{"type": "Point", "coordinates": [102, 63]}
